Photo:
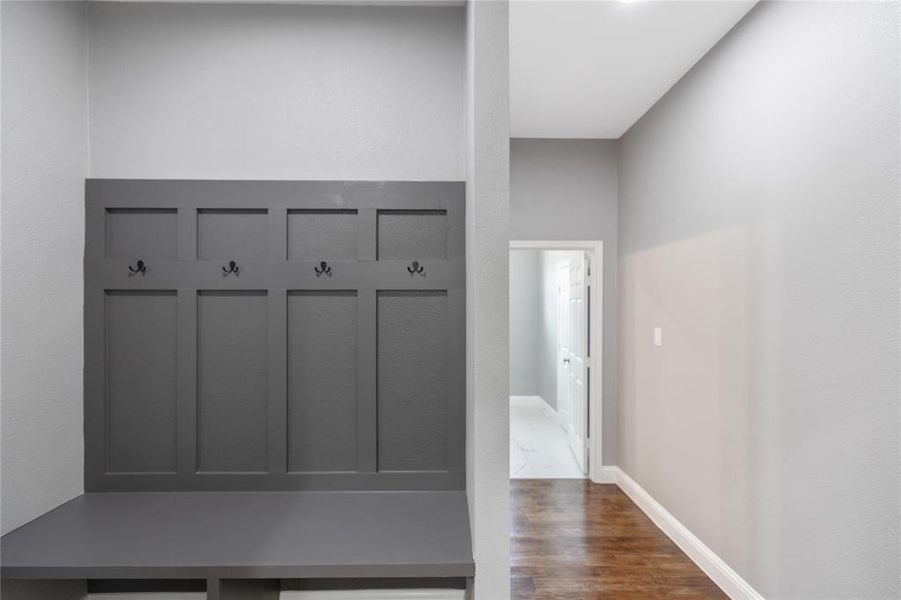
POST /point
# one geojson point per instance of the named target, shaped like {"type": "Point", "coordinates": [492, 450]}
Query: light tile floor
{"type": "Point", "coordinates": [539, 448]}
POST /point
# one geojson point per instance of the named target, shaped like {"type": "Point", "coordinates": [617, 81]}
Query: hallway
{"type": "Point", "coordinates": [571, 539]}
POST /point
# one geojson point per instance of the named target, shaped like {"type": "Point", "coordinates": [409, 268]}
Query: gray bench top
{"type": "Point", "coordinates": [245, 535]}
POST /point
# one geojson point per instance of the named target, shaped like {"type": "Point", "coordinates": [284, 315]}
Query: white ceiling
{"type": "Point", "coordinates": [592, 68]}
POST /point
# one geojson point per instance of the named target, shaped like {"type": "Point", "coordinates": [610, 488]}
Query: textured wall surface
{"type": "Point", "coordinates": [277, 91]}
{"type": "Point", "coordinates": [525, 324]}
{"type": "Point", "coordinates": [567, 190]}
{"type": "Point", "coordinates": [487, 295]}
{"type": "Point", "coordinates": [759, 227]}
{"type": "Point", "coordinates": [44, 157]}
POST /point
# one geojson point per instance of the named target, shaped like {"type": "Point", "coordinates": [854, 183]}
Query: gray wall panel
{"type": "Point", "coordinates": [412, 381]}
{"type": "Point", "coordinates": [278, 380]}
{"type": "Point", "coordinates": [322, 234]}
{"type": "Point", "coordinates": [232, 381]}
{"type": "Point", "coordinates": [526, 322]}
{"type": "Point", "coordinates": [232, 234]}
{"type": "Point", "coordinates": [142, 233]}
{"type": "Point", "coordinates": [141, 379]}
{"type": "Point", "coordinates": [275, 377]}
{"type": "Point", "coordinates": [413, 234]}
{"type": "Point", "coordinates": [322, 381]}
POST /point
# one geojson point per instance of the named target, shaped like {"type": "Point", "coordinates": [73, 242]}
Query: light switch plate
{"type": "Point", "coordinates": [658, 336]}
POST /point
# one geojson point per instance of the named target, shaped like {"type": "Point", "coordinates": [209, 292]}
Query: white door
{"type": "Point", "coordinates": [572, 346]}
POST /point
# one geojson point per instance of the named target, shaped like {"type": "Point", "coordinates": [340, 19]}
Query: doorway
{"type": "Point", "coordinates": [555, 362]}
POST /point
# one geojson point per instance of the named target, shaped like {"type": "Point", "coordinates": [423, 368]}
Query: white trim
{"type": "Point", "coordinates": [404, 594]}
{"type": "Point", "coordinates": [716, 568]}
{"type": "Point", "coordinates": [555, 244]}
{"type": "Point", "coordinates": [596, 360]}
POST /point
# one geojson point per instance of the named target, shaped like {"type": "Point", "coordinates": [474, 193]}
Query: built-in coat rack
{"type": "Point", "coordinates": [231, 314]}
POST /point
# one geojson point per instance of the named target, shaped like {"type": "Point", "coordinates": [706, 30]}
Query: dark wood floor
{"type": "Point", "coordinates": [572, 539]}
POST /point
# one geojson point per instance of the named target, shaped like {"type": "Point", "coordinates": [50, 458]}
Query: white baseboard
{"type": "Point", "coordinates": [606, 474]}
{"type": "Point", "coordinates": [716, 568]}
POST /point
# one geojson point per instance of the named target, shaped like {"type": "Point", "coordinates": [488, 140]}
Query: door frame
{"type": "Point", "coordinates": [596, 331]}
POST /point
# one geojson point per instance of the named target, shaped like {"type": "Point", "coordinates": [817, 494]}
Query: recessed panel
{"type": "Point", "coordinates": [142, 233]}
{"type": "Point", "coordinates": [322, 381]}
{"type": "Point", "coordinates": [412, 381]}
{"type": "Point", "coordinates": [412, 234]}
{"type": "Point", "coordinates": [275, 378]}
{"type": "Point", "coordinates": [141, 333]}
{"type": "Point", "coordinates": [232, 234]}
{"type": "Point", "coordinates": [232, 381]}
{"type": "Point", "coordinates": [322, 234]}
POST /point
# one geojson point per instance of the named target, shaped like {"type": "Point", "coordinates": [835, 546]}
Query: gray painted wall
{"type": "Point", "coordinates": [277, 91]}
{"type": "Point", "coordinates": [44, 157]}
{"type": "Point", "coordinates": [759, 227]}
{"type": "Point", "coordinates": [525, 323]}
{"type": "Point", "coordinates": [547, 342]}
{"type": "Point", "coordinates": [163, 79]}
{"type": "Point", "coordinates": [401, 104]}
{"type": "Point", "coordinates": [487, 294]}
{"type": "Point", "coordinates": [567, 190]}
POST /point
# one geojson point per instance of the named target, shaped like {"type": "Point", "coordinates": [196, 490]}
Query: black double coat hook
{"type": "Point", "coordinates": [139, 267]}
{"type": "Point", "coordinates": [323, 269]}
{"type": "Point", "coordinates": [416, 269]}
{"type": "Point", "coordinates": [231, 268]}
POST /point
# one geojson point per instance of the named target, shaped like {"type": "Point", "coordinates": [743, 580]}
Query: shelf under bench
{"type": "Point", "coordinates": [245, 535]}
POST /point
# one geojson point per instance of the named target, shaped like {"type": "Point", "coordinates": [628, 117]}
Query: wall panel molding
{"type": "Point", "coordinates": [277, 335]}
